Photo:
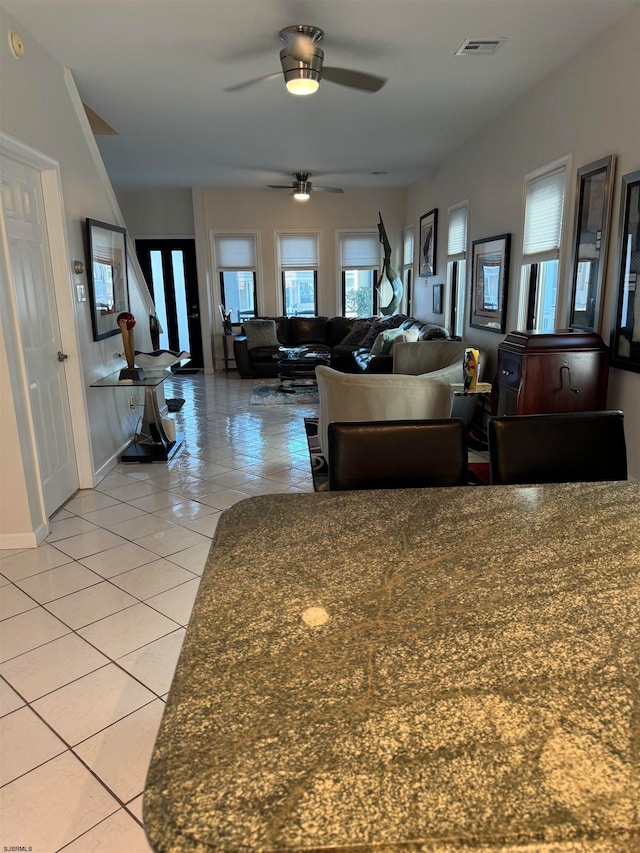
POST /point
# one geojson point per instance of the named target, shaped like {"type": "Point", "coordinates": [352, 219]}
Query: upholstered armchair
{"type": "Point", "coordinates": [377, 397]}
{"type": "Point", "coordinates": [441, 360]}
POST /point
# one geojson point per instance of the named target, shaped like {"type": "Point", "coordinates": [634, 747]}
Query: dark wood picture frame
{"type": "Point", "coordinates": [437, 298]}
{"type": "Point", "coordinates": [591, 240]}
{"type": "Point", "coordinates": [107, 276]}
{"type": "Point", "coordinates": [428, 243]}
{"type": "Point", "coordinates": [625, 337]}
{"type": "Point", "coordinates": [489, 283]}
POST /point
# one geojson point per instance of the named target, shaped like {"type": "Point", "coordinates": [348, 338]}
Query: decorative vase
{"type": "Point", "coordinates": [470, 369]}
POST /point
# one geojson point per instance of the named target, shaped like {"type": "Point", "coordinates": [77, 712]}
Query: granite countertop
{"type": "Point", "coordinates": [419, 670]}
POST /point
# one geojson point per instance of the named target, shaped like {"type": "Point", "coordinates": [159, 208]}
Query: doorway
{"type": "Point", "coordinates": [169, 267]}
{"type": "Point", "coordinates": [39, 357]}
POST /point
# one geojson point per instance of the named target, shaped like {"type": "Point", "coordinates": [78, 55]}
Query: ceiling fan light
{"type": "Point", "coordinates": [302, 190]}
{"type": "Point", "coordinates": [302, 85]}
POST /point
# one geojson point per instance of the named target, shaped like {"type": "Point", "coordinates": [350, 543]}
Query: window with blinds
{"type": "Point", "coordinates": [457, 266]}
{"type": "Point", "coordinates": [543, 216]}
{"type": "Point", "coordinates": [298, 259]}
{"type": "Point", "coordinates": [360, 256]}
{"type": "Point", "coordinates": [545, 192]}
{"type": "Point", "coordinates": [407, 269]}
{"type": "Point", "coordinates": [235, 256]}
{"type": "Point", "coordinates": [457, 243]}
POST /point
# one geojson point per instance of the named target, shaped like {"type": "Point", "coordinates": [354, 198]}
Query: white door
{"type": "Point", "coordinates": [30, 259]}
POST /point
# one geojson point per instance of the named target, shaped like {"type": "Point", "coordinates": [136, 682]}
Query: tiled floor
{"type": "Point", "coordinates": [92, 621]}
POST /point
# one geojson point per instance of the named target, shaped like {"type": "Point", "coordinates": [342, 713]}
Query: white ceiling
{"type": "Point", "coordinates": [156, 71]}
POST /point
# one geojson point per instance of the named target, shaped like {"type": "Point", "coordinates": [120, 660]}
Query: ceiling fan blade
{"type": "Point", "coordinates": [248, 83]}
{"type": "Point", "coordinates": [354, 79]}
{"type": "Point", "coordinates": [280, 186]}
{"type": "Point", "coordinates": [327, 189]}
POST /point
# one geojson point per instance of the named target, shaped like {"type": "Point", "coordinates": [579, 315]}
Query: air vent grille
{"type": "Point", "coordinates": [479, 47]}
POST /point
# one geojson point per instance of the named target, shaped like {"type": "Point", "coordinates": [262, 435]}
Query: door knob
{"type": "Point", "coordinates": [62, 356]}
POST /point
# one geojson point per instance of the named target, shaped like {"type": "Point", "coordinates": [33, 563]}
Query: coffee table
{"type": "Point", "coordinates": [300, 372]}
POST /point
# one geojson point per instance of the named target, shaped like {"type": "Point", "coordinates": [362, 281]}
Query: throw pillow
{"type": "Point", "coordinates": [356, 333]}
{"type": "Point", "coordinates": [389, 337]}
{"type": "Point", "coordinates": [261, 333]}
{"type": "Point", "coordinates": [378, 344]}
{"type": "Point", "coordinates": [407, 336]}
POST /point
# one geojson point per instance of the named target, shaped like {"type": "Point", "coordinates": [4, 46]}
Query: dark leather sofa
{"type": "Point", "coordinates": [324, 334]}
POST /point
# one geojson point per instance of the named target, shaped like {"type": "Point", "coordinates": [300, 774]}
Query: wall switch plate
{"type": "Point", "coordinates": [81, 291]}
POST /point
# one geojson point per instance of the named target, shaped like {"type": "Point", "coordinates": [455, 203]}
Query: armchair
{"type": "Point", "coordinates": [377, 397]}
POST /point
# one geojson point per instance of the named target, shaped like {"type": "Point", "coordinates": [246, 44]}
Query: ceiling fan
{"type": "Point", "coordinates": [302, 65]}
{"type": "Point", "coordinates": [302, 186]}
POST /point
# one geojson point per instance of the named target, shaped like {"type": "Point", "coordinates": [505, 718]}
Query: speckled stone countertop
{"type": "Point", "coordinates": [419, 670]}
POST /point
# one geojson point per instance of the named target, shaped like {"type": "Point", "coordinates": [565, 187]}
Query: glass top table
{"type": "Point", "coordinates": [151, 443]}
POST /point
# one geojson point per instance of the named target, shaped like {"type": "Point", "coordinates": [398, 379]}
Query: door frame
{"type": "Point", "coordinates": [62, 285]}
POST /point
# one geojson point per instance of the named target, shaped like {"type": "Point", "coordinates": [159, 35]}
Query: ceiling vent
{"type": "Point", "coordinates": [479, 47]}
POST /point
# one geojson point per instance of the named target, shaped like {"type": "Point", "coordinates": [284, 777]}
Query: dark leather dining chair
{"type": "Point", "coordinates": [397, 454]}
{"type": "Point", "coordinates": [557, 448]}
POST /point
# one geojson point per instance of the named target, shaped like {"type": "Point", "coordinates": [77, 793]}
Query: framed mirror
{"type": "Point", "coordinates": [625, 340]}
{"type": "Point", "coordinates": [107, 274]}
{"type": "Point", "coordinates": [592, 220]}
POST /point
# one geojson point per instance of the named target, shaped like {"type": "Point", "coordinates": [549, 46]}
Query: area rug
{"type": "Point", "coordinates": [268, 395]}
{"type": "Point", "coordinates": [319, 470]}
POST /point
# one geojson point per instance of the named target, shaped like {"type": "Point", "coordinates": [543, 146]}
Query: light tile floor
{"type": "Point", "coordinates": [92, 621]}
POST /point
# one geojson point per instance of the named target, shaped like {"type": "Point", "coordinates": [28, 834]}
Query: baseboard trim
{"type": "Point", "coordinates": [27, 539]}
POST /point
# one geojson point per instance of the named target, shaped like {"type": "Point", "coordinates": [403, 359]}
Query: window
{"type": "Point", "coordinates": [541, 242]}
{"type": "Point", "coordinates": [457, 266]}
{"type": "Point", "coordinates": [359, 264]}
{"type": "Point", "coordinates": [298, 255]}
{"type": "Point", "coordinates": [407, 270]}
{"type": "Point", "coordinates": [236, 262]}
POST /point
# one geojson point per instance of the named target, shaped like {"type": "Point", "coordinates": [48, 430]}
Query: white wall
{"type": "Point", "coordinates": [589, 108]}
{"type": "Point", "coordinates": [158, 213]}
{"type": "Point", "coordinates": [39, 110]}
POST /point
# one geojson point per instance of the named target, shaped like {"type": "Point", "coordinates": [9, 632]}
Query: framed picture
{"type": "Point", "coordinates": [625, 339]}
{"type": "Point", "coordinates": [437, 299]}
{"type": "Point", "coordinates": [428, 236]}
{"type": "Point", "coordinates": [592, 218]}
{"type": "Point", "coordinates": [489, 281]}
{"type": "Point", "coordinates": [107, 277]}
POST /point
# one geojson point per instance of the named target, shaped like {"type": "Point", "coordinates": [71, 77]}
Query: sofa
{"type": "Point", "coordinates": [256, 356]}
{"type": "Point", "coordinates": [355, 345]}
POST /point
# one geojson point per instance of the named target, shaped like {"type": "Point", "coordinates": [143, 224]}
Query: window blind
{"type": "Point", "coordinates": [457, 244]}
{"type": "Point", "coordinates": [544, 207]}
{"type": "Point", "coordinates": [298, 250]}
{"type": "Point", "coordinates": [407, 257]}
{"type": "Point", "coordinates": [236, 251]}
{"type": "Point", "coordinates": [360, 251]}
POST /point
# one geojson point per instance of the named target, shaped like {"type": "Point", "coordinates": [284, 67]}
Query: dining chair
{"type": "Point", "coordinates": [397, 454]}
{"type": "Point", "coordinates": [557, 448]}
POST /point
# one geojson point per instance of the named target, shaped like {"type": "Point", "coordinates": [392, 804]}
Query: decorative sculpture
{"type": "Point", "coordinates": [127, 321]}
{"type": "Point", "coordinates": [389, 273]}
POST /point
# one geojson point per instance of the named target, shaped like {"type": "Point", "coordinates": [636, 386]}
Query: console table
{"type": "Point", "coordinates": [151, 443]}
{"type": "Point", "coordinates": [426, 670]}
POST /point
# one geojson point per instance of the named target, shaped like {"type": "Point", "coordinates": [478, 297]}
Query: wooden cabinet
{"type": "Point", "coordinates": [560, 371]}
